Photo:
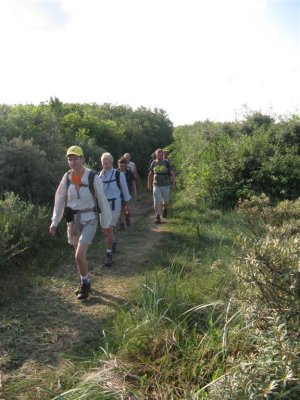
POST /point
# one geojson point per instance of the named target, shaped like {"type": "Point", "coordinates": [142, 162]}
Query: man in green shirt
{"type": "Point", "coordinates": [161, 177]}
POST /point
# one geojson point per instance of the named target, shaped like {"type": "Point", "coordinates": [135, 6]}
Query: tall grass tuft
{"type": "Point", "coordinates": [267, 272]}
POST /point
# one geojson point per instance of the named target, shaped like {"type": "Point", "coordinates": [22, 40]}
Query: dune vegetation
{"type": "Point", "coordinates": [204, 306]}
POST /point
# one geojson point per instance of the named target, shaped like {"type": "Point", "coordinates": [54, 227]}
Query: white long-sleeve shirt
{"type": "Point", "coordinates": [81, 200]}
{"type": "Point", "coordinates": [111, 188]}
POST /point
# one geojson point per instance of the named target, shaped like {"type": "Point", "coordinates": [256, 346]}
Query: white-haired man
{"type": "Point", "coordinates": [116, 191]}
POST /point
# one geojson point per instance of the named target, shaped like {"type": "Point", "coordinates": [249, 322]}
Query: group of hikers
{"type": "Point", "coordinates": [86, 198]}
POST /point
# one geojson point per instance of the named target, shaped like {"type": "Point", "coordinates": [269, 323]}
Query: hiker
{"type": "Point", "coordinates": [116, 191]}
{"type": "Point", "coordinates": [153, 157]}
{"type": "Point", "coordinates": [80, 197]}
{"type": "Point", "coordinates": [131, 184]}
{"type": "Point", "coordinates": [131, 165]}
{"type": "Point", "coordinates": [160, 177]}
{"type": "Point", "coordinates": [166, 155]}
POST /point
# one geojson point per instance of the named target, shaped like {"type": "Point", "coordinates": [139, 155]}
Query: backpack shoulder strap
{"type": "Point", "coordinates": [68, 179]}
{"type": "Point", "coordinates": [91, 178]}
{"type": "Point", "coordinates": [117, 175]}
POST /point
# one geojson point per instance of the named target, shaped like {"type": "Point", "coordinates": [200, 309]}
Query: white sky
{"type": "Point", "coordinates": [196, 59]}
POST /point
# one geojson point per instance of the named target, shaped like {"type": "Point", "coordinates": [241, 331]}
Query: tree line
{"type": "Point", "coordinates": [34, 138]}
{"type": "Point", "coordinates": [223, 163]}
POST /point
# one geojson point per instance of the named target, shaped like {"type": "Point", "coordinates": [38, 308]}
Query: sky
{"type": "Point", "coordinates": [195, 59]}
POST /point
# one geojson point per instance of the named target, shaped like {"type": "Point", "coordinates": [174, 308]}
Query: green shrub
{"type": "Point", "coordinates": [26, 171]}
{"type": "Point", "coordinates": [24, 230]}
{"type": "Point", "coordinates": [219, 163]}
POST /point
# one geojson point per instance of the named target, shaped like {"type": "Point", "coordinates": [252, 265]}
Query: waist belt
{"type": "Point", "coordinates": [84, 211]}
{"type": "Point", "coordinates": [112, 203]}
{"type": "Point", "coordinates": [77, 217]}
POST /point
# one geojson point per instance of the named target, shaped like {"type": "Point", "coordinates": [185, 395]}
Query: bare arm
{"type": "Point", "coordinates": [150, 180]}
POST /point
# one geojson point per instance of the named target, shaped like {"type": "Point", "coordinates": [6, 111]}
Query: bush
{"type": "Point", "coordinates": [26, 171]}
{"type": "Point", "coordinates": [223, 163]}
{"type": "Point", "coordinates": [24, 231]}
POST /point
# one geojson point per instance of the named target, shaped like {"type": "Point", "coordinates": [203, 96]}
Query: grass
{"type": "Point", "coordinates": [164, 323]}
{"type": "Point", "coordinates": [190, 336]}
{"type": "Point", "coordinates": [168, 338]}
{"type": "Point", "coordinates": [49, 337]}
{"type": "Point", "coordinates": [56, 341]}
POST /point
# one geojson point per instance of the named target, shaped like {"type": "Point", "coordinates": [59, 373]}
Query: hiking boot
{"type": "Point", "coordinates": [165, 213]}
{"type": "Point", "coordinates": [84, 291]}
{"type": "Point", "coordinates": [122, 226]}
{"type": "Point", "coordinates": [127, 219]}
{"type": "Point", "coordinates": [108, 260]}
{"type": "Point", "coordinates": [114, 247]}
{"type": "Point", "coordinates": [157, 220]}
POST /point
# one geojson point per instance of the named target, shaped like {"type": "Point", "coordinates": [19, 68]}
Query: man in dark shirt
{"type": "Point", "coordinates": [161, 177]}
{"type": "Point", "coordinates": [130, 179]}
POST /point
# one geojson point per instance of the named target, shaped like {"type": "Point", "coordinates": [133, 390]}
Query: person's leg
{"type": "Point", "coordinates": [87, 234]}
{"type": "Point", "coordinates": [115, 218]}
{"type": "Point", "coordinates": [166, 196]}
{"type": "Point", "coordinates": [122, 219]}
{"type": "Point", "coordinates": [157, 198]}
{"type": "Point", "coordinates": [83, 269]}
{"type": "Point", "coordinates": [81, 260]}
{"type": "Point", "coordinates": [111, 238]}
{"type": "Point", "coordinates": [109, 247]}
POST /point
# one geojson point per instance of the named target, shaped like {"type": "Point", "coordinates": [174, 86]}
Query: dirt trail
{"type": "Point", "coordinates": [49, 328]}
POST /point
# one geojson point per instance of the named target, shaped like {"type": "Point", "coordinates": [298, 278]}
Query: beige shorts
{"type": "Point", "coordinates": [116, 212]}
{"type": "Point", "coordinates": [115, 215]}
{"type": "Point", "coordinates": [161, 194]}
{"type": "Point", "coordinates": [85, 235]}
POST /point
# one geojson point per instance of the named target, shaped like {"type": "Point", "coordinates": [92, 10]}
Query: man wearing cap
{"type": "Point", "coordinates": [80, 197]}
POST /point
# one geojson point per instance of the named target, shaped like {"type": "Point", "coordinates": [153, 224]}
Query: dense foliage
{"type": "Point", "coordinates": [218, 318]}
{"type": "Point", "coordinates": [24, 231]}
{"type": "Point", "coordinates": [224, 162]}
{"type": "Point", "coordinates": [219, 321]}
{"type": "Point", "coordinates": [33, 141]}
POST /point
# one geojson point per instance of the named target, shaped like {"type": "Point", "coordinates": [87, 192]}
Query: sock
{"type": "Point", "coordinates": [84, 278]}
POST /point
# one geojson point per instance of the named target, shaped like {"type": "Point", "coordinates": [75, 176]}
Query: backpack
{"type": "Point", "coordinates": [117, 175]}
